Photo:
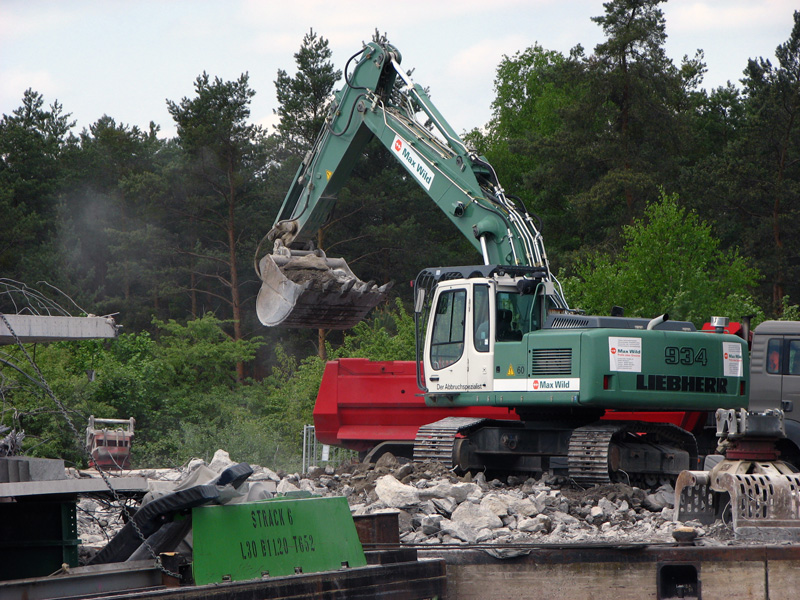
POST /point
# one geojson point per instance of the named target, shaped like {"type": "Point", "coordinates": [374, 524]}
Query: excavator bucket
{"type": "Point", "coordinates": [308, 290]}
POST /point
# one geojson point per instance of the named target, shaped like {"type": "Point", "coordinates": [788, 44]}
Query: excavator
{"type": "Point", "coordinates": [498, 334]}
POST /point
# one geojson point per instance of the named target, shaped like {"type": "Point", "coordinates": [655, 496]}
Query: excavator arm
{"type": "Point", "coordinates": [380, 100]}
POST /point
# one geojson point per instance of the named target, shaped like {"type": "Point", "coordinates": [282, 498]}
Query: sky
{"type": "Point", "coordinates": [126, 58]}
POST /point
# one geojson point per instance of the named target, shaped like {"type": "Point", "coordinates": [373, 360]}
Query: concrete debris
{"type": "Point", "coordinates": [285, 486]}
{"type": "Point", "coordinates": [537, 524]}
{"type": "Point", "coordinates": [437, 507]}
{"type": "Point", "coordinates": [395, 494]}
{"type": "Point", "coordinates": [475, 516]}
{"type": "Point", "coordinates": [444, 506]}
{"type": "Point", "coordinates": [495, 504]}
{"type": "Point", "coordinates": [314, 272]}
{"type": "Point", "coordinates": [663, 497]}
{"type": "Point", "coordinates": [220, 461]}
{"type": "Point", "coordinates": [98, 521]}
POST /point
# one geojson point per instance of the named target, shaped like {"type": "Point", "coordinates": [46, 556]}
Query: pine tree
{"type": "Point", "coordinates": [304, 99]}
{"type": "Point", "coordinates": [225, 155]}
{"type": "Point", "coordinates": [33, 140]}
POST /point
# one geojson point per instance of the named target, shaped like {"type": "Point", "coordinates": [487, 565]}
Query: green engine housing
{"type": "Point", "coordinates": [613, 368]}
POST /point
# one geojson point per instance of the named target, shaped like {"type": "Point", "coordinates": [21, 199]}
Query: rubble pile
{"type": "Point", "coordinates": [99, 518]}
{"type": "Point", "coordinates": [437, 507]}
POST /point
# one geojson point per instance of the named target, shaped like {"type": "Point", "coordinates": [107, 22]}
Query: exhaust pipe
{"type": "Point", "coordinates": [746, 329]}
{"type": "Point", "coordinates": [657, 321]}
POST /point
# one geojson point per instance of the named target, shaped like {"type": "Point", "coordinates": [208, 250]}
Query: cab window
{"type": "Point", "coordinates": [447, 341]}
{"type": "Point", "coordinates": [515, 315]}
{"type": "Point", "coordinates": [774, 355]}
{"type": "Point", "coordinates": [794, 357]}
{"type": "Point", "coordinates": [480, 320]}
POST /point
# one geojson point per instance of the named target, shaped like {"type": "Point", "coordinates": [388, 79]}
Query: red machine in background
{"type": "Point", "coordinates": [110, 449]}
{"type": "Point", "coordinates": [376, 407]}
{"type": "Point", "coordinates": [363, 403]}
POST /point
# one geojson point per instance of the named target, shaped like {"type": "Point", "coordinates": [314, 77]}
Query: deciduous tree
{"type": "Point", "coordinates": [670, 263]}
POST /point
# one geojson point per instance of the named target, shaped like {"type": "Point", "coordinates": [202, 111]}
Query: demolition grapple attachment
{"type": "Point", "coordinates": [745, 485]}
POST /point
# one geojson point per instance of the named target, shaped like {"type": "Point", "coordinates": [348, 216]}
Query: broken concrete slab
{"type": "Point", "coordinates": [35, 328]}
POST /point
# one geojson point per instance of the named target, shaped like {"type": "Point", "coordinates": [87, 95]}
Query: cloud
{"type": "Point", "coordinates": [24, 19]}
{"type": "Point", "coordinates": [726, 16]}
{"type": "Point", "coordinates": [348, 14]}
{"type": "Point", "coordinates": [16, 81]}
{"type": "Point", "coordinates": [124, 58]}
{"type": "Point", "coordinates": [482, 58]}
{"type": "Point", "coordinates": [729, 31]}
{"type": "Point", "coordinates": [278, 44]}
{"type": "Point", "coordinates": [281, 30]}
{"type": "Point", "coordinates": [268, 122]}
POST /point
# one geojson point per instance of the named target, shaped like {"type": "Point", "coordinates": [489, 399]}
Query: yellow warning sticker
{"type": "Point", "coordinates": [510, 370]}
{"type": "Point", "coordinates": [329, 173]}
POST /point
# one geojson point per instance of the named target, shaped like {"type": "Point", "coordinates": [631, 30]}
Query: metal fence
{"type": "Point", "coordinates": [322, 455]}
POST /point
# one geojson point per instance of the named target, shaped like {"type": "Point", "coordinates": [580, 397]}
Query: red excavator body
{"type": "Point", "coordinates": [362, 403]}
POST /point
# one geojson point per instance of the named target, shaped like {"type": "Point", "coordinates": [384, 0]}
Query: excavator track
{"type": "Point", "coordinates": [588, 453]}
{"type": "Point", "coordinates": [435, 441]}
{"type": "Point", "coordinates": [594, 452]}
{"type": "Point", "coordinates": [590, 446]}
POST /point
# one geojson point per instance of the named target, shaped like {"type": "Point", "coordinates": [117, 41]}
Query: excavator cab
{"type": "Point", "coordinates": [469, 318]}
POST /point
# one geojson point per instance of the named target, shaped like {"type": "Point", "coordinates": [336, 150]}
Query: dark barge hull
{"type": "Point", "coordinates": [391, 575]}
{"type": "Point", "coordinates": [626, 573]}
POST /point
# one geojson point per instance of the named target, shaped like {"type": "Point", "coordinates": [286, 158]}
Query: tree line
{"type": "Point", "coordinates": [654, 194]}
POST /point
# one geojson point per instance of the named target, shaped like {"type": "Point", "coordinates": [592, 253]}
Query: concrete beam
{"type": "Point", "coordinates": [126, 485]}
{"type": "Point", "coordinates": [35, 328]}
